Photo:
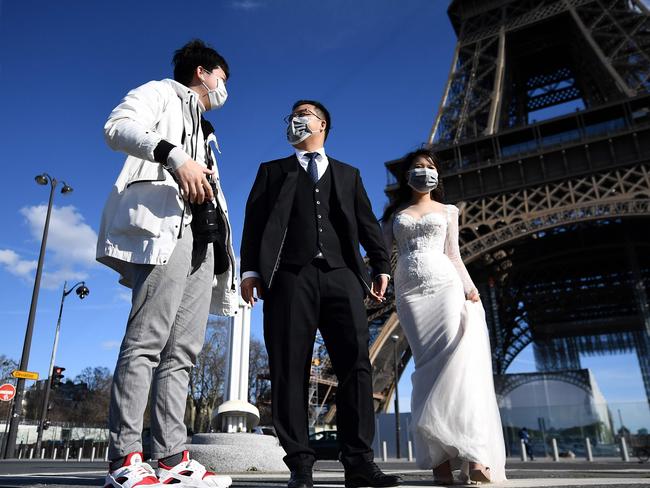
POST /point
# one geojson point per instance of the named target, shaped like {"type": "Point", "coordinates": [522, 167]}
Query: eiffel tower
{"type": "Point", "coordinates": [543, 133]}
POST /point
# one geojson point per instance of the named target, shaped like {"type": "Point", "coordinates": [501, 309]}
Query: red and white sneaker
{"type": "Point", "coordinates": [134, 472]}
{"type": "Point", "coordinates": [191, 473]}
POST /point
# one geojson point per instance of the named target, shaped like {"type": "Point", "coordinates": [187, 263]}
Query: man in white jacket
{"type": "Point", "coordinates": [165, 229]}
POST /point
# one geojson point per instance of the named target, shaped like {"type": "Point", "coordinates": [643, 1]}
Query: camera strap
{"type": "Point", "coordinates": [207, 128]}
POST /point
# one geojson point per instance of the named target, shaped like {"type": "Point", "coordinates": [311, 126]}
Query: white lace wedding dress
{"type": "Point", "coordinates": [453, 405]}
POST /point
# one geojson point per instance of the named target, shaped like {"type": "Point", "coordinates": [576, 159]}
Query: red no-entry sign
{"type": "Point", "coordinates": [7, 392]}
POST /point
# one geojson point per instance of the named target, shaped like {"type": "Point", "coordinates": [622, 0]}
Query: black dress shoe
{"type": "Point", "coordinates": [369, 475]}
{"type": "Point", "coordinates": [301, 478]}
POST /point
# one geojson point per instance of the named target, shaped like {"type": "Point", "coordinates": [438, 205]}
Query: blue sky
{"type": "Point", "coordinates": [378, 65]}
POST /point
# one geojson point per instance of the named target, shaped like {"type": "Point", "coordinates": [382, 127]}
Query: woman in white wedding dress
{"type": "Point", "coordinates": [455, 418]}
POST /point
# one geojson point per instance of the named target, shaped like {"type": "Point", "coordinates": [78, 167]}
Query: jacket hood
{"type": "Point", "coordinates": [185, 93]}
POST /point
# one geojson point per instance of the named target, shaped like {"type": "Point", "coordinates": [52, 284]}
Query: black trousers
{"type": "Point", "coordinates": [302, 300]}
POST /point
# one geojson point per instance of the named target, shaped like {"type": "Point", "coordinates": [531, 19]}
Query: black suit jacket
{"type": "Point", "coordinates": [269, 207]}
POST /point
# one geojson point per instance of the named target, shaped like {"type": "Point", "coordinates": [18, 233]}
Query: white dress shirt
{"type": "Point", "coordinates": [321, 160]}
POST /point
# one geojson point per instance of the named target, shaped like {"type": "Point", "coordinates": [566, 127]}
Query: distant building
{"type": "Point", "coordinates": [566, 405]}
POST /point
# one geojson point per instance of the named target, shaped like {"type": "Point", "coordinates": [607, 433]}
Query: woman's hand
{"type": "Point", "coordinates": [474, 295]}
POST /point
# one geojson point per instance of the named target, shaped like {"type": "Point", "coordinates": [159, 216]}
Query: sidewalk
{"type": "Point", "coordinates": [611, 473]}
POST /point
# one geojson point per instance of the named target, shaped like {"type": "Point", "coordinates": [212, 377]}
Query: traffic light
{"type": "Point", "coordinates": [56, 377]}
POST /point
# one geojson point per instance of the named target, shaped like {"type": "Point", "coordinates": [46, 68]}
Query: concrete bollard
{"type": "Point", "coordinates": [625, 456]}
{"type": "Point", "coordinates": [590, 456]}
{"type": "Point", "coordinates": [43, 453]}
{"type": "Point", "coordinates": [92, 454]}
{"type": "Point", "coordinates": [31, 453]}
{"type": "Point", "coordinates": [384, 451]}
{"type": "Point", "coordinates": [524, 456]}
{"type": "Point", "coordinates": [410, 450]}
{"type": "Point", "coordinates": [67, 453]}
{"type": "Point", "coordinates": [54, 453]}
{"type": "Point", "coordinates": [556, 455]}
{"type": "Point", "coordinates": [81, 451]}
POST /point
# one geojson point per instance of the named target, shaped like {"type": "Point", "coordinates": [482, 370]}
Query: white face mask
{"type": "Point", "coordinates": [218, 96]}
{"type": "Point", "coordinates": [423, 180]}
{"type": "Point", "coordinates": [298, 129]}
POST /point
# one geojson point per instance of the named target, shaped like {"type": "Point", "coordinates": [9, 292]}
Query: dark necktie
{"type": "Point", "coordinates": [312, 168]}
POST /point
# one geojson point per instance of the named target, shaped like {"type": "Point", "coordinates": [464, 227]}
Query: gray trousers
{"type": "Point", "coordinates": [164, 335]}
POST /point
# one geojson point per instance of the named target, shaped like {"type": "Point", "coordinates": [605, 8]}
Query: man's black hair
{"type": "Point", "coordinates": [193, 54]}
{"type": "Point", "coordinates": [321, 111]}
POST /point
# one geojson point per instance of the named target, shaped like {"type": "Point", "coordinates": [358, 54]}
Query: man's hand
{"type": "Point", "coordinates": [473, 295]}
{"type": "Point", "coordinates": [247, 287]}
{"type": "Point", "coordinates": [193, 181]}
{"type": "Point", "coordinates": [379, 285]}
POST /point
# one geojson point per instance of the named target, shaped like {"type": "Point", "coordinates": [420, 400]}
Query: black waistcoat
{"type": "Point", "coordinates": [315, 224]}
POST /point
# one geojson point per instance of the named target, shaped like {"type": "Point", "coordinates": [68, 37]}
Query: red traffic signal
{"type": "Point", "coordinates": [56, 377]}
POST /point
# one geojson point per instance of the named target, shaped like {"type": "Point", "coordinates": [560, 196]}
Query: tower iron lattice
{"type": "Point", "coordinates": [543, 137]}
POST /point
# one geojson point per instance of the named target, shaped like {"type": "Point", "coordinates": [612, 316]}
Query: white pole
{"type": "Point", "coordinates": [20, 454]}
{"type": "Point", "coordinates": [54, 453]}
{"type": "Point", "coordinates": [81, 451]}
{"type": "Point", "coordinates": [590, 456]}
{"type": "Point", "coordinates": [556, 456]}
{"type": "Point", "coordinates": [244, 355]}
{"type": "Point", "coordinates": [106, 454]}
{"type": "Point", "coordinates": [92, 454]}
{"type": "Point", "coordinates": [31, 453]}
{"type": "Point", "coordinates": [410, 450]}
{"type": "Point", "coordinates": [625, 456]}
{"type": "Point", "coordinates": [235, 412]}
{"type": "Point", "coordinates": [43, 453]}
{"type": "Point", "coordinates": [233, 357]}
{"type": "Point", "coordinates": [384, 451]}
{"type": "Point", "coordinates": [67, 453]}
{"type": "Point", "coordinates": [524, 456]}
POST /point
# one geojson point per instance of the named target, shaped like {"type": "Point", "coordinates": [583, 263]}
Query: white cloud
{"type": "Point", "coordinates": [110, 345]}
{"type": "Point", "coordinates": [16, 266]}
{"type": "Point", "coordinates": [54, 279]}
{"type": "Point", "coordinates": [124, 296]}
{"type": "Point", "coordinates": [70, 246]}
{"type": "Point", "coordinates": [246, 4]}
{"type": "Point", "coordinates": [70, 240]}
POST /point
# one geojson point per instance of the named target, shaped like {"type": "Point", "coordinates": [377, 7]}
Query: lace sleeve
{"type": "Point", "coordinates": [453, 252]}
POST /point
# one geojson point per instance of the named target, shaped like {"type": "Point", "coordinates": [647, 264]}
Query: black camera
{"type": "Point", "coordinates": [209, 227]}
{"type": "Point", "coordinates": [207, 224]}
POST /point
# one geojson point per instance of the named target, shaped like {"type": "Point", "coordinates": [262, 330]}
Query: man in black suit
{"type": "Point", "coordinates": [305, 218]}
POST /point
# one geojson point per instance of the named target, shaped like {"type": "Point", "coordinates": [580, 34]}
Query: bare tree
{"type": "Point", "coordinates": [83, 401]}
{"type": "Point", "coordinates": [96, 379]}
{"type": "Point", "coordinates": [92, 395]}
{"type": "Point", "coordinates": [259, 383]}
{"type": "Point", "coordinates": [7, 365]}
{"type": "Point", "coordinates": [207, 378]}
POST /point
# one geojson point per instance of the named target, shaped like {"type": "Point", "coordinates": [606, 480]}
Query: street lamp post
{"type": "Point", "coordinates": [398, 452]}
{"type": "Point", "coordinates": [82, 292]}
{"type": "Point", "coordinates": [16, 412]}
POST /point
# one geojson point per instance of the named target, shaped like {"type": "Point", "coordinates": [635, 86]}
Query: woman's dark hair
{"type": "Point", "coordinates": [321, 111]}
{"type": "Point", "coordinates": [193, 54]}
{"type": "Point", "coordinates": [404, 191]}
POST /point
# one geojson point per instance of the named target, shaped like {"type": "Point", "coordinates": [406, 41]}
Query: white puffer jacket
{"type": "Point", "coordinates": [145, 214]}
